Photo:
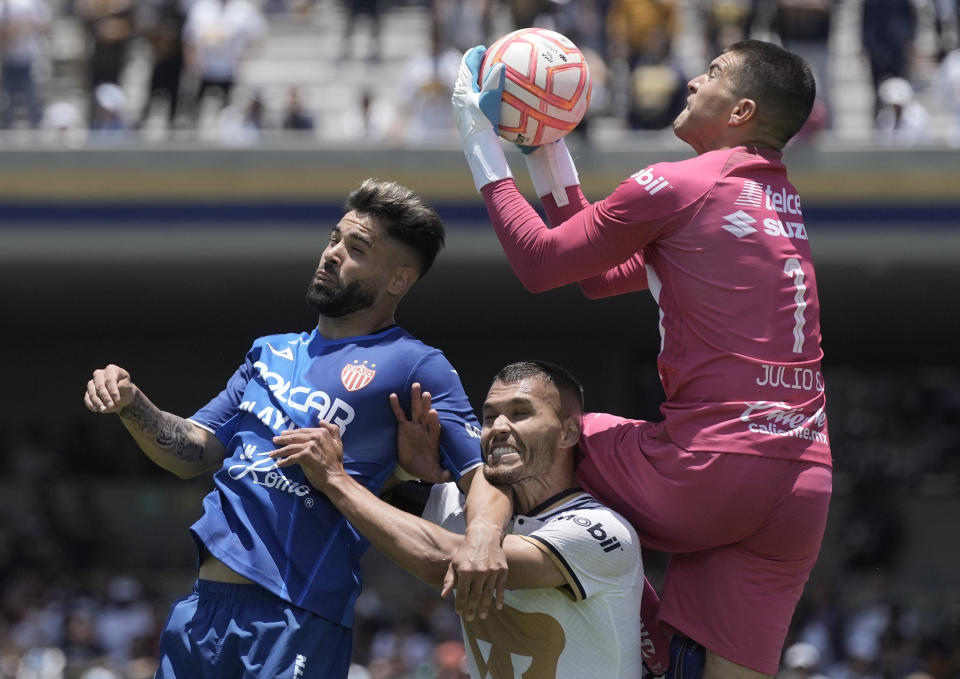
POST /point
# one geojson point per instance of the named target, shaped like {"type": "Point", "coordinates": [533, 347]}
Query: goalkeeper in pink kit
{"type": "Point", "coordinates": [735, 479]}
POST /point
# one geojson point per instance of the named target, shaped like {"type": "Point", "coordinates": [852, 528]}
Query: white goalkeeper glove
{"type": "Point", "coordinates": [551, 170]}
{"type": "Point", "coordinates": [477, 114]}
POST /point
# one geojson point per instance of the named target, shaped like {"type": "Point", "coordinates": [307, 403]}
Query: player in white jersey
{"type": "Point", "coordinates": [575, 574]}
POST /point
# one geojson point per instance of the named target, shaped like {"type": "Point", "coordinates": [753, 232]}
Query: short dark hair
{"type": "Point", "coordinates": [405, 215]}
{"type": "Point", "coordinates": [569, 387]}
{"type": "Point", "coordinates": [779, 81]}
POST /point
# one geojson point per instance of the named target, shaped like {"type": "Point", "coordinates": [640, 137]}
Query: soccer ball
{"type": "Point", "coordinates": [546, 90]}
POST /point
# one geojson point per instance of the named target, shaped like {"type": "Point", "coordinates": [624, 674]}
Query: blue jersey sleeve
{"type": "Point", "coordinates": [460, 431]}
{"type": "Point", "coordinates": [221, 411]}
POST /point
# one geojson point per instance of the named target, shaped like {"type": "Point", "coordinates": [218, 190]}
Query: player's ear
{"type": "Point", "coordinates": [743, 112]}
{"type": "Point", "coordinates": [401, 280]}
{"type": "Point", "coordinates": [570, 431]}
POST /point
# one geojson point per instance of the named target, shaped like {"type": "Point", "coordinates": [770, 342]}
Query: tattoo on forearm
{"type": "Point", "coordinates": [175, 436]}
{"type": "Point", "coordinates": [169, 432]}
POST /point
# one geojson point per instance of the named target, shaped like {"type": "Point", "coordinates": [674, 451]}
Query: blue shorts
{"type": "Point", "coordinates": [227, 631]}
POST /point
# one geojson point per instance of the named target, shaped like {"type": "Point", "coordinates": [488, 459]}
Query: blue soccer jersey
{"type": "Point", "coordinates": [270, 524]}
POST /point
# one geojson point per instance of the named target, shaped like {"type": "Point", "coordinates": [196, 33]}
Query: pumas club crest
{"type": "Point", "coordinates": [357, 375]}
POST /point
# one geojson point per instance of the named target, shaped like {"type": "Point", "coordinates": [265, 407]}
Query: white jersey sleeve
{"type": "Point", "coordinates": [594, 547]}
{"type": "Point", "coordinates": [446, 508]}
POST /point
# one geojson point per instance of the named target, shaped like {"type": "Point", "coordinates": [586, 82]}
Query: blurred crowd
{"type": "Point", "coordinates": [192, 56]}
{"type": "Point", "coordinates": [78, 603]}
{"type": "Point", "coordinates": [83, 597]}
{"type": "Point", "coordinates": [875, 634]}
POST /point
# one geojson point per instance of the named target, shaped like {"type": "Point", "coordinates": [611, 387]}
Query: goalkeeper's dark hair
{"type": "Point", "coordinates": [406, 217]}
{"type": "Point", "coordinates": [779, 81]}
{"type": "Point", "coordinates": [571, 391]}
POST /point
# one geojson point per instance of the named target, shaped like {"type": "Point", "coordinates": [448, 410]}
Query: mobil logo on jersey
{"type": "Point", "coordinates": [650, 181]}
{"type": "Point", "coordinates": [357, 375]}
{"type": "Point", "coordinates": [608, 541]}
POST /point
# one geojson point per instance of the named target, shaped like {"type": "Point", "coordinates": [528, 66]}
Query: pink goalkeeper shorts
{"type": "Point", "coordinates": [744, 531]}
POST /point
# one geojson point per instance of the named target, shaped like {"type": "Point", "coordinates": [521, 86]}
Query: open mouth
{"type": "Point", "coordinates": [503, 455]}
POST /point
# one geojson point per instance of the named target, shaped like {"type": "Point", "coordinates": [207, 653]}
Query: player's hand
{"type": "Point", "coordinates": [477, 108]}
{"type": "Point", "coordinates": [109, 391]}
{"type": "Point", "coordinates": [318, 450]}
{"type": "Point", "coordinates": [478, 572]}
{"type": "Point", "coordinates": [418, 439]}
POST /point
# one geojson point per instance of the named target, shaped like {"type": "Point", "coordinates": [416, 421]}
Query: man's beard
{"type": "Point", "coordinates": [502, 477]}
{"type": "Point", "coordinates": [340, 300]}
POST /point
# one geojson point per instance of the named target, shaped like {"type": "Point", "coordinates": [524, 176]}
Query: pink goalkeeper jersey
{"type": "Point", "coordinates": [719, 241]}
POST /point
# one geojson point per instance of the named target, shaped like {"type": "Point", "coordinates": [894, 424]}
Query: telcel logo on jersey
{"type": "Point", "coordinates": [303, 399]}
{"type": "Point", "coordinates": [781, 201]}
{"type": "Point", "coordinates": [755, 194]}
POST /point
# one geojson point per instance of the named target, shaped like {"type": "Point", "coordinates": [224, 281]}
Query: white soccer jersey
{"type": "Point", "coordinates": [590, 627]}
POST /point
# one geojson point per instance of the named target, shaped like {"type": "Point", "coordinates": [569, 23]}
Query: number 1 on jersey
{"type": "Point", "coordinates": [793, 269]}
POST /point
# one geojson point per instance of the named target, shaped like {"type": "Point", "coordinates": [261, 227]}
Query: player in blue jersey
{"type": "Point", "coordinates": [278, 566]}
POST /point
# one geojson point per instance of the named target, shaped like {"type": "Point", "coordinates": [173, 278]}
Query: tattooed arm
{"type": "Point", "coordinates": [174, 443]}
